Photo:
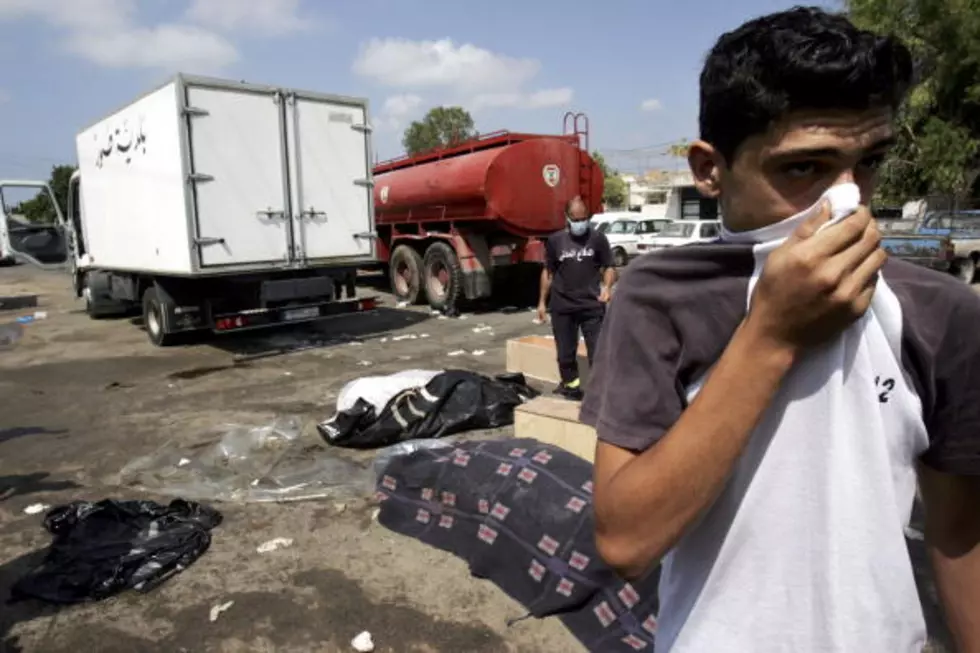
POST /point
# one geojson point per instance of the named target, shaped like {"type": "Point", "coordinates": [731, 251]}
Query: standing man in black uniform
{"type": "Point", "coordinates": [579, 275]}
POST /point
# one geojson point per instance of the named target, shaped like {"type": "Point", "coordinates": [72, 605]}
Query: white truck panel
{"type": "Point", "coordinates": [331, 165]}
{"type": "Point", "coordinates": [239, 145]}
{"type": "Point", "coordinates": [133, 190]}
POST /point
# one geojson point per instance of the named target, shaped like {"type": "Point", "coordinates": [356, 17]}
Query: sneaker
{"type": "Point", "coordinates": [574, 394]}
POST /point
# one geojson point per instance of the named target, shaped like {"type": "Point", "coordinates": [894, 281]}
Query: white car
{"type": "Point", "coordinates": [680, 232]}
{"type": "Point", "coordinates": [622, 240]}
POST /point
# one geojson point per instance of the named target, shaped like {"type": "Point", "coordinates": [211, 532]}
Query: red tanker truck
{"type": "Point", "coordinates": [456, 222]}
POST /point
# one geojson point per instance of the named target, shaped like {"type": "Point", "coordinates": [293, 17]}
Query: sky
{"type": "Point", "coordinates": [630, 65]}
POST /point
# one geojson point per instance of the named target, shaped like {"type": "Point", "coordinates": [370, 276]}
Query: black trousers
{"type": "Point", "coordinates": [566, 327]}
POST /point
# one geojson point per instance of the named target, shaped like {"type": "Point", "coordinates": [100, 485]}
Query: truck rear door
{"type": "Point", "coordinates": [331, 172]}
{"type": "Point", "coordinates": [238, 166]}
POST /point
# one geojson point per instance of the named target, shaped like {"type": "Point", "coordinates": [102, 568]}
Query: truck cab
{"type": "Point", "coordinates": [44, 242]}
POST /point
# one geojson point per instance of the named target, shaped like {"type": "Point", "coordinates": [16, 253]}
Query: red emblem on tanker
{"type": "Point", "coordinates": [551, 174]}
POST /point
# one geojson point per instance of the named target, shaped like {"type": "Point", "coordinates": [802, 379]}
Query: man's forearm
{"type": "Point", "coordinates": [545, 286]}
{"type": "Point", "coordinates": [953, 537]}
{"type": "Point", "coordinates": [648, 503]}
{"type": "Point", "coordinates": [609, 278]}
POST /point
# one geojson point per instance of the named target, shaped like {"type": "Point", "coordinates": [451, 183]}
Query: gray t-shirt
{"type": "Point", "coordinates": [804, 550]}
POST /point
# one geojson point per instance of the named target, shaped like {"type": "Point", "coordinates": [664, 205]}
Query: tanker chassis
{"type": "Point", "coordinates": [460, 222]}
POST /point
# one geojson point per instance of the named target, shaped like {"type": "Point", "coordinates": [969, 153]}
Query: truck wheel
{"type": "Point", "coordinates": [443, 276]}
{"type": "Point", "coordinates": [98, 297]}
{"type": "Point", "coordinates": [964, 269]}
{"type": "Point", "coordinates": [154, 310]}
{"type": "Point", "coordinates": [405, 269]}
{"type": "Point", "coordinates": [620, 259]}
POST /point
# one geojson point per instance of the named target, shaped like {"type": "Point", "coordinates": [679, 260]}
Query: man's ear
{"type": "Point", "coordinates": [706, 164]}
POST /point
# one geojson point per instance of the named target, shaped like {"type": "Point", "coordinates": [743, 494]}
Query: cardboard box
{"type": "Point", "coordinates": [537, 358]}
{"type": "Point", "coordinates": [555, 421]}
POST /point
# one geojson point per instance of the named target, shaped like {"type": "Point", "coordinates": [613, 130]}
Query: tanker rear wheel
{"type": "Point", "coordinates": [443, 276]}
{"type": "Point", "coordinates": [405, 270]}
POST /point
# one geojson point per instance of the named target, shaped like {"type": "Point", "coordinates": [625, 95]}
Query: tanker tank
{"type": "Point", "coordinates": [521, 183]}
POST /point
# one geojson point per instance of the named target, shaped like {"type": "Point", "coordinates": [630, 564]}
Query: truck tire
{"type": "Point", "coordinates": [154, 311]}
{"type": "Point", "coordinates": [97, 293]}
{"type": "Point", "coordinates": [443, 276]}
{"type": "Point", "coordinates": [405, 271]}
{"type": "Point", "coordinates": [620, 259]}
{"type": "Point", "coordinates": [964, 269]}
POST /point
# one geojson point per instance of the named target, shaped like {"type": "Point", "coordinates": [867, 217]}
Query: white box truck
{"type": "Point", "coordinates": [220, 205]}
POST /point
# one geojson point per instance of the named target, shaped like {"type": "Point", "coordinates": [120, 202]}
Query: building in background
{"type": "Point", "coordinates": [670, 194]}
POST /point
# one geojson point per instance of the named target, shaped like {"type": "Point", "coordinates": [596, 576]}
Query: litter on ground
{"type": "Point", "coordinates": [218, 609]}
{"type": "Point", "coordinates": [275, 545]}
{"type": "Point", "coordinates": [363, 643]}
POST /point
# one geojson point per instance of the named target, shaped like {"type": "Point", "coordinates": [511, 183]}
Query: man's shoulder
{"type": "Point", "coordinates": [931, 299]}
{"type": "Point", "coordinates": [598, 238]}
{"type": "Point", "coordinates": [556, 237]}
{"type": "Point", "coordinates": [692, 265]}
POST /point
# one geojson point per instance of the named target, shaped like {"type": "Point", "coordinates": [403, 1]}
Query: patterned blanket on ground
{"type": "Point", "coordinates": [520, 513]}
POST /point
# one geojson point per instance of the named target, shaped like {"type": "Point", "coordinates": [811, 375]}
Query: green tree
{"type": "Point", "coordinates": [614, 192]}
{"type": "Point", "coordinates": [938, 149]}
{"type": "Point", "coordinates": [39, 209]}
{"type": "Point", "coordinates": [441, 127]}
{"type": "Point", "coordinates": [679, 149]}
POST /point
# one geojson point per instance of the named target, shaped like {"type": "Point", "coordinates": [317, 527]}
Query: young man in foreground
{"type": "Point", "coordinates": [765, 405]}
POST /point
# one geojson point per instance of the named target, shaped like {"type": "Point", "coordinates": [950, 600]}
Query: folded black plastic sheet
{"type": "Point", "coordinates": [452, 402]}
{"type": "Point", "coordinates": [520, 513]}
{"type": "Point", "coordinates": [100, 549]}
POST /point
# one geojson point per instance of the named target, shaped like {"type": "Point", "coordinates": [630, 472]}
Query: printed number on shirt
{"type": "Point", "coordinates": [885, 386]}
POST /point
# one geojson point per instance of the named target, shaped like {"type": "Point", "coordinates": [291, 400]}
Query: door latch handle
{"type": "Point", "coordinates": [270, 214]}
{"type": "Point", "coordinates": [313, 214]}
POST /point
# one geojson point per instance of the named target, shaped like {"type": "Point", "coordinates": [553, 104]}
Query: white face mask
{"type": "Point", "coordinates": [578, 227]}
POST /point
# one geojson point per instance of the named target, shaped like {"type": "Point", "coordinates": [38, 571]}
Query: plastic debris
{"type": "Point", "coordinates": [386, 455]}
{"type": "Point", "coordinates": [479, 352]}
{"type": "Point", "coordinates": [482, 329]}
{"type": "Point", "coordinates": [35, 508]}
{"type": "Point", "coordinates": [365, 363]}
{"type": "Point", "coordinates": [275, 545]}
{"type": "Point", "coordinates": [401, 304]}
{"type": "Point", "coordinates": [363, 643]}
{"type": "Point", "coordinates": [424, 335]}
{"type": "Point", "coordinates": [218, 609]}
{"type": "Point", "coordinates": [10, 334]}
{"type": "Point", "coordinates": [407, 336]}
{"type": "Point", "coordinates": [249, 465]}
{"type": "Point", "coordinates": [100, 549]}
{"type": "Point", "coordinates": [458, 352]}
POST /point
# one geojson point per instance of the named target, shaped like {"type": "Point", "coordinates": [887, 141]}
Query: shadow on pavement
{"type": "Point", "coordinates": [24, 431]}
{"type": "Point", "coordinates": [12, 614]}
{"type": "Point", "coordinates": [26, 484]}
{"type": "Point", "coordinates": [247, 346]}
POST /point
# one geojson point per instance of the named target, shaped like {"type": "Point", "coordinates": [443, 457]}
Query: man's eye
{"type": "Point", "coordinates": [800, 169]}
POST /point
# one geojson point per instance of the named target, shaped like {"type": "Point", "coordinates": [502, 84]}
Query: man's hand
{"type": "Point", "coordinates": [542, 312]}
{"type": "Point", "coordinates": [817, 284]}
{"type": "Point", "coordinates": [812, 287]}
{"type": "Point", "coordinates": [605, 295]}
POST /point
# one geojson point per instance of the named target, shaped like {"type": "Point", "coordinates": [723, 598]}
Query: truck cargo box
{"type": "Point", "coordinates": [206, 177]}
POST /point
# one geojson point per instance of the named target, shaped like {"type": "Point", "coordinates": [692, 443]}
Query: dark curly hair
{"type": "Point", "coordinates": [803, 58]}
